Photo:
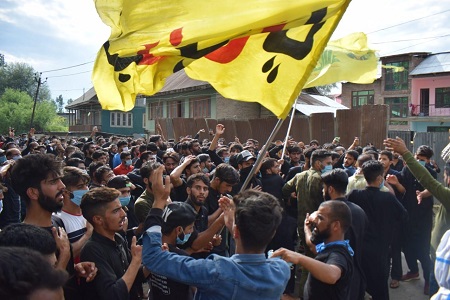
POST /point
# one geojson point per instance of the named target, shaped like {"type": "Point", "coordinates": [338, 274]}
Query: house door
{"type": "Point", "coordinates": [424, 102]}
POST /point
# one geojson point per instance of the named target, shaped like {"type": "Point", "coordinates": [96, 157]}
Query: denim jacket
{"type": "Point", "coordinates": [242, 276]}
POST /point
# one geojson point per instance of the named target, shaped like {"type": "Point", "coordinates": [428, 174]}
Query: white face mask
{"type": "Point", "coordinates": [125, 149]}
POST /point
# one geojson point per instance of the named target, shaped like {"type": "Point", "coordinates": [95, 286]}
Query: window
{"type": "Point", "coordinates": [118, 119]}
{"type": "Point", "coordinates": [156, 110]}
{"type": "Point", "coordinates": [396, 76]}
{"type": "Point", "coordinates": [398, 107]}
{"type": "Point", "coordinates": [175, 109]}
{"type": "Point", "coordinates": [362, 97]}
{"type": "Point", "coordinates": [442, 97]}
{"type": "Point", "coordinates": [200, 107]}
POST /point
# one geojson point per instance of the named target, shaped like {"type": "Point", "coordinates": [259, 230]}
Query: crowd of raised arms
{"type": "Point", "coordinates": [123, 218]}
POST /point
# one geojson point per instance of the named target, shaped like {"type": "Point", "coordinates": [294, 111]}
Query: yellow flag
{"type": "Point", "coordinates": [347, 59]}
{"type": "Point", "coordinates": [251, 50]}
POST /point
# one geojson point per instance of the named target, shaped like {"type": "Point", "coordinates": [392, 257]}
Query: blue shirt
{"type": "Point", "coordinates": [242, 276]}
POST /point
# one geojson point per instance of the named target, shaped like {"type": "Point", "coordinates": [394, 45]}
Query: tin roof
{"type": "Point", "coordinates": [435, 63]}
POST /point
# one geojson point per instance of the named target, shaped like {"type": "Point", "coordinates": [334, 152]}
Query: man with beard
{"type": "Point", "coordinates": [37, 180]}
{"type": "Point", "coordinates": [330, 272]}
{"type": "Point", "coordinates": [205, 227]}
{"type": "Point", "coordinates": [334, 187]}
{"type": "Point", "coordinates": [120, 271]}
{"type": "Point", "coordinates": [245, 161]}
{"type": "Point", "coordinates": [383, 211]}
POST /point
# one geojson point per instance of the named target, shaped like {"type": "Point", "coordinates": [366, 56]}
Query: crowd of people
{"type": "Point", "coordinates": [97, 218]}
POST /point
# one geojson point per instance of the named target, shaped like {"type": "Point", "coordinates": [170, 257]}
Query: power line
{"type": "Point", "coordinates": [398, 41]}
{"type": "Point", "coordinates": [410, 46]}
{"type": "Point", "coordinates": [74, 66]}
{"type": "Point", "coordinates": [70, 74]}
{"type": "Point", "coordinates": [409, 21]}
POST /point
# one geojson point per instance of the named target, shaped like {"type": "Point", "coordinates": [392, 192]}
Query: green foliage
{"type": "Point", "coordinates": [326, 89]}
{"type": "Point", "coordinates": [59, 101]}
{"type": "Point", "coordinates": [22, 77]}
{"type": "Point", "coordinates": [17, 91]}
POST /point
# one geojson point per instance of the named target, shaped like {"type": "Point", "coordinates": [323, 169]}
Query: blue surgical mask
{"type": "Point", "coordinates": [1, 206]}
{"type": "Point", "coordinates": [184, 240]}
{"type": "Point", "coordinates": [349, 167]}
{"type": "Point", "coordinates": [422, 162]}
{"type": "Point", "coordinates": [226, 159]}
{"type": "Point", "coordinates": [128, 162]}
{"type": "Point", "coordinates": [327, 168]}
{"type": "Point", "coordinates": [124, 200]}
{"type": "Point", "coordinates": [2, 159]}
{"type": "Point", "coordinates": [77, 195]}
{"type": "Point", "coordinates": [205, 170]}
{"type": "Point", "coordinates": [17, 157]}
{"type": "Point", "coordinates": [381, 184]}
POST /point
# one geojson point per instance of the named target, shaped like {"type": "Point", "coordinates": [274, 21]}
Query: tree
{"type": "Point", "coordinates": [326, 89]}
{"type": "Point", "coordinates": [59, 101]}
{"type": "Point", "coordinates": [22, 77]}
{"type": "Point", "coordinates": [2, 60]}
{"type": "Point", "coordinates": [16, 107]}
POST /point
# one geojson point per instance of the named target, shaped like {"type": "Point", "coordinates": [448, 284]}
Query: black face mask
{"type": "Point", "coordinates": [245, 171]}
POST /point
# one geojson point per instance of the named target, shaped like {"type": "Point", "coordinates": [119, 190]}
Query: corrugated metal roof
{"type": "Point", "coordinates": [309, 104]}
{"type": "Point", "coordinates": [83, 99]}
{"type": "Point", "coordinates": [179, 81]}
{"type": "Point", "coordinates": [435, 63]}
{"type": "Point", "coordinates": [311, 109]}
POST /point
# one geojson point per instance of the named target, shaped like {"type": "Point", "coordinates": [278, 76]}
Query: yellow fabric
{"type": "Point", "coordinates": [347, 59]}
{"type": "Point", "coordinates": [251, 50]}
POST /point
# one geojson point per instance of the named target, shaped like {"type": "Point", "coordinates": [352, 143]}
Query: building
{"type": "Point", "coordinates": [85, 112]}
{"type": "Point", "coordinates": [403, 78]}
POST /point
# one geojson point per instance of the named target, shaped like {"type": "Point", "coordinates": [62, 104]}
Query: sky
{"type": "Point", "coordinates": [58, 34]}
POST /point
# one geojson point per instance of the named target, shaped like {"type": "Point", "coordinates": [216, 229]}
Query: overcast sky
{"type": "Point", "coordinates": [54, 34]}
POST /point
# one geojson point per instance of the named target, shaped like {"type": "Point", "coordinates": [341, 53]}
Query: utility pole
{"type": "Point", "coordinates": [39, 82]}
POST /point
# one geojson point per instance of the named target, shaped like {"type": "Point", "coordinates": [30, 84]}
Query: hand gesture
{"type": "Point", "coordinates": [287, 255]}
{"type": "Point", "coordinates": [396, 145]}
{"type": "Point", "coordinates": [62, 241]}
{"type": "Point", "coordinates": [136, 251]}
{"type": "Point", "coordinates": [86, 270]}
{"type": "Point", "coordinates": [236, 140]}
{"type": "Point", "coordinates": [217, 240]}
{"type": "Point", "coordinates": [392, 179]}
{"type": "Point", "coordinates": [188, 159]}
{"type": "Point", "coordinates": [161, 191]}
{"type": "Point", "coordinates": [227, 206]}
{"type": "Point", "coordinates": [201, 130]}
{"type": "Point", "coordinates": [220, 129]}
{"type": "Point", "coordinates": [94, 129]}
{"type": "Point", "coordinates": [31, 133]}
{"type": "Point", "coordinates": [256, 188]}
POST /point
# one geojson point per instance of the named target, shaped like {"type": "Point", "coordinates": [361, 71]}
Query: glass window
{"type": "Point", "coordinates": [398, 108]}
{"type": "Point", "coordinates": [442, 97]}
{"type": "Point", "coordinates": [396, 76]}
{"type": "Point", "coordinates": [121, 119]}
{"type": "Point", "coordinates": [362, 97]}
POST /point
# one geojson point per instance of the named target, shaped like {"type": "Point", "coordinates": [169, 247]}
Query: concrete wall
{"type": "Point", "coordinates": [232, 109]}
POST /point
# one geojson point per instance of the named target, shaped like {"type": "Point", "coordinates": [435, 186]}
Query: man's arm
{"type": "Point", "coordinates": [327, 273]}
{"type": "Point", "coordinates": [175, 175]}
{"type": "Point", "coordinates": [78, 245]}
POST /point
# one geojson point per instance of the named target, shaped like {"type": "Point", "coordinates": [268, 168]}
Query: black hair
{"type": "Point", "coordinates": [98, 153]}
{"type": "Point", "coordinates": [362, 158]}
{"type": "Point", "coordinates": [95, 201]}
{"type": "Point", "coordinates": [74, 162]}
{"type": "Point", "coordinates": [425, 150]}
{"type": "Point", "coordinates": [93, 167]}
{"type": "Point", "coordinates": [72, 175]}
{"type": "Point", "coordinates": [30, 170]}
{"type": "Point", "coordinates": [86, 147]}
{"type": "Point", "coordinates": [28, 236]}
{"type": "Point", "coordinates": [387, 153]}
{"type": "Point", "coordinates": [319, 155]}
{"type": "Point", "coordinates": [197, 177]}
{"type": "Point", "coordinates": [147, 169]}
{"type": "Point", "coordinates": [257, 217]}
{"type": "Point", "coordinates": [337, 178]}
{"type": "Point", "coordinates": [339, 211]}
{"type": "Point", "coordinates": [267, 163]}
{"type": "Point", "coordinates": [99, 172]}
{"type": "Point", "coordinates": [371, 170]}
{"type": "Point", "coordinates": [203, 157]}
{"type": "Point", "coordinates": [122, 143]}
{"type": "Point", "coordinates": [294, 149]}
{"type": "Point", "coordinates": [227, 173]}
{"type": "Point", "coordinates": [353, 153]}
{"type": "Point", "coordinates": [24, 271]}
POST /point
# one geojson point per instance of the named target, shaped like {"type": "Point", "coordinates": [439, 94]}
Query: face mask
{"type": "Point", "coordinates": [226, 159]}
{"type": "Point", "coordinates": [327, 168]}
{"type": "Point", "coordinates": [348, 168]}
{"type": "Point", "coordinates": [128, 162]}
{"type": "Point", "coordinates": [422, 162]}
{"type": "Point", "coordinates": [184, 240]}
{"type": "Point", "coordinates": [382, 184]}
{"type": "Point", "coordinates": [1, 206]}
{"type": "Point", "coordinates": [205, 170]}
{"type": "Point", "coordinates": [124, 200]}
{"type": "Point", "coordinates": [17, 157]}
{"type": "Point", "coordinates": [77, 195]}
{"type": "Point", "coordinates": [124, 149]}
{"type": "Point", "coordinates": [2, 159]}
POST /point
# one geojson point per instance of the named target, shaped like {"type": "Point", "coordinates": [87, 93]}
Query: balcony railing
{"type": "Point", "coordinates": [430, 110]}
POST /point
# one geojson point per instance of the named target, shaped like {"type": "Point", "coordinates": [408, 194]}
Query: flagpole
{"type": "Point", "coordinates": [262, 154]}
{"type": "Point", "coordinates": [288, 131]}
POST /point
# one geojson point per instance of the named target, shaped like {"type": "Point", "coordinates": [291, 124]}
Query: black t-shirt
{"type": "Point", "coordinates": [333, 255]}
{"type": "Point", "coordinates": [168, 289]}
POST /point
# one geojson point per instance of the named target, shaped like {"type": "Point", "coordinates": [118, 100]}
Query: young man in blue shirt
{"type": "Point", "coordinates": [246, 274]}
